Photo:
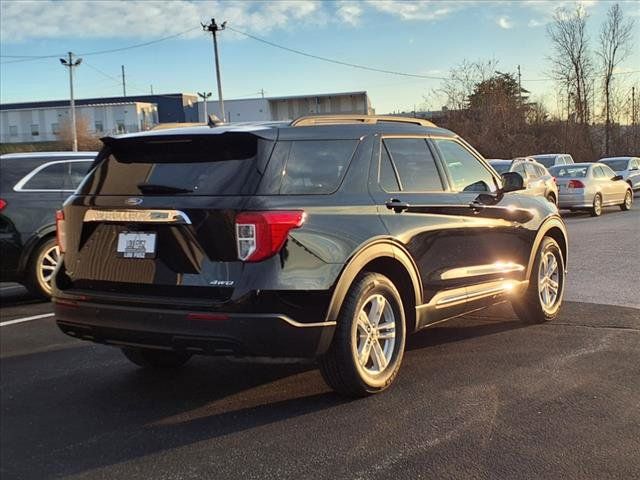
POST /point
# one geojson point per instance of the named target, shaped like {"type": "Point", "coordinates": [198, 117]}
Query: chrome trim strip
{"type": "Point", "coordinates": [477, 270]}
{"type": "Point", "coordinates": [18, 187]}
{"type": "Point", "coordinates": [450, 297]}
{"type": "Point", "coordinates": [137, 216]}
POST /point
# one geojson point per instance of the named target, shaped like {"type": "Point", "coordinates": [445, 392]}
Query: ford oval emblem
{"type": "Point", "coordinates": [133, 201]}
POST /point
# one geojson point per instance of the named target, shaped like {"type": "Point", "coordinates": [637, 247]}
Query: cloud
{"type": "Point", "coordinates": [535, 23]}
{"type": "Point", "coordinates": [504, 22]}
{"type": "Point", "coordinates": [46, 19]}
{"type": "Point", "coordinates": [349, 12]}
{"type": "Point", "coordinates": [418, 9]}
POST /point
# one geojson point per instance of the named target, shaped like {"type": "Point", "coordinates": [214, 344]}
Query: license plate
{"type": "Point", "coordinates": [136, 245]}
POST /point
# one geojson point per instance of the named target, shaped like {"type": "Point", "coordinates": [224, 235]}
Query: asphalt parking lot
{"type": "Point", "coordinates": [484, 396]}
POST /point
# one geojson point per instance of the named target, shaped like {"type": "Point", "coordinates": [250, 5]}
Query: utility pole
{"type": "Point", "coordinates": [70, 63]}
{"type": "Point", "coordinates": [151, 88]}
{"type": "Point", "coordinates": [204, 96]}
{"type": "Point", "coordinates": [262, 92]}
{"type": "Point", "coordinates": [519, 86]}
{"type": "Point", "coordinates": [124, 83]}
{"type": "Point", "coordinates": [214, 28]}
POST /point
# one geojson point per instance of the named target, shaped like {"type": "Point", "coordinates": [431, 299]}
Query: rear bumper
{"type": "Point", "coordinates": [580, 200]}
{"type": "Point", "coordinates": [271, 335]}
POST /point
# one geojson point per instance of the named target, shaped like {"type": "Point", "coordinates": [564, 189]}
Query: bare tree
{"type": "Point", "coordinates": [462, 80]}
{"type": "Point", "coordinates": [615, 45]}
{"type": "Point", "coordinates": [571, 61]}
{"type": "Point", "coordinates": [86, 140]}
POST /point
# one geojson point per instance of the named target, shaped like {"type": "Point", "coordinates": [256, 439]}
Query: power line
{"type": "Point", "coordinates": [28, 58]}
{"type": "Point", "coordinates": [331, 60]}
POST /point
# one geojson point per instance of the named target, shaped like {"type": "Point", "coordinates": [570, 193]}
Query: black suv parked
{"type": "Point", "coordinates": [326, 237]}
{"type": "Point", "coordinates": [32, 187]}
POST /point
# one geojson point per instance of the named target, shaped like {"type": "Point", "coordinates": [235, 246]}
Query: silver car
{"type": "Point", "coordinates": [628, 167]}
{"type": "Point", "coordinates": [591, 186]}
{"type": "Point", "coordinates": [553, 159]}
{"type": "Point", "coordinates": [537, 180]}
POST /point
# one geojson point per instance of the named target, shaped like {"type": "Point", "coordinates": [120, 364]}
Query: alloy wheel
{"type": "Point", "coordinates": [628, 200]}
{"type": "Point", "coordinates": [549, 281]}
{"type": "Point", "coordinates": [597, 205]}
{"type": "Point", "coordinates": [375, 334]}
{"type": "Point", "coordinates": [46, 267]}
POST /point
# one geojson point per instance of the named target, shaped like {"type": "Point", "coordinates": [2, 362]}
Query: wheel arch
{"type": "Point", "coordinates": [40, 236]}
{"type": "Point", "coordinates": [554, 228]}
{"type": "Point", "coordinates": [387, 258]}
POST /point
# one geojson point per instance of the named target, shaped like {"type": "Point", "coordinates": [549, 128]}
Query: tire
{"type": "Point", "coordinates": [596, 210]}
{"type": "Point", "coordinates": [359, 331]}
{"type": "Point", "coordinates": [628, 201]}
{"type": "Point", "coordinates": [534, 306]}
{"type": "Point", "coordinates": [41, 267]}
{"type": "Point", "coordinates": [151, 358]}
{"type": "Point", "coordinates": [552, 198]}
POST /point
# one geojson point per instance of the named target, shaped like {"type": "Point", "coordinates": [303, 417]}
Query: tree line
{"type": "Point", "coordinates": [596, 115]}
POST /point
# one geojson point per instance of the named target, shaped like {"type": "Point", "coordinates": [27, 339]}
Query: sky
{"type": "Point", "coordinates": [425, 38]}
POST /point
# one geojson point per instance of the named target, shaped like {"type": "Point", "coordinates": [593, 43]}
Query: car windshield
{"type": "Point", "coordinates": [616, 165]}
{"type": "Point", "coordinates": [546, 160]}
{"type": "Point", "coordinates": [500, 167]}
{"type": "Point", "coordinates": [568, 171]}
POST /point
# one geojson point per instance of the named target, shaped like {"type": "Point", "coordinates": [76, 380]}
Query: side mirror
{"type": "Point", "coordinates": [512, 182]}
{"type": "Point", "coordinates": [617, 177]}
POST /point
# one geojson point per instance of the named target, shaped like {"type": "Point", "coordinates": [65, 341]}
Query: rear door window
{"type": "Point", "coordinates": [51, 177]}
{"type": "Point", "coordinates": [531, 171]}
{"type": "Point", "coordinates": [414, 164]}
{"type": "Point", "coordinates": [75, 173]}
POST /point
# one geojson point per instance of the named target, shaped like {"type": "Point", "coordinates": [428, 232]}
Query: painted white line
{"type": "Point", "coordinates": [26, 319]}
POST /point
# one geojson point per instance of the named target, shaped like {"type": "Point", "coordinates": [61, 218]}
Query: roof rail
{"type": "Point", "coordinates": [310, 120]}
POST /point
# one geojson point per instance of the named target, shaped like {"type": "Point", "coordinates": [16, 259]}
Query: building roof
{"type": "Point", "coordinates": [100, 100]}
{"type": "Point", "coordinates": [336, 94]}
{"type": "Point", "coordinates": [83, 105]}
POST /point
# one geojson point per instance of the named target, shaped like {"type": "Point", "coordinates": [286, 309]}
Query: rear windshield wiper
{"type": "Point", "coordinates": [156, 188]}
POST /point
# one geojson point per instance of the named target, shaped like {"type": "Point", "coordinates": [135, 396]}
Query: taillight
{"type": "Point", "coordinates": [575, 184]}
{"type": "Point", "coordinates": [61, 234]}
{"type": "Point", "coordinates": [2, 204]}
{"type": "Point", "coordinates": [260, 235]}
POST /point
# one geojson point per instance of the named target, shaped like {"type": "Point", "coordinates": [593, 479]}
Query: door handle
{"type": "Point", "coordinates": [396, 205]}
{"type": "Point", "coordinates": [476, 206]}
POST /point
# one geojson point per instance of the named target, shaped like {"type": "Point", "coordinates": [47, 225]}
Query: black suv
{"type": "Point", "coordinates": [326, 237]}
{"type": "Point", "coordinates": [32, 187]}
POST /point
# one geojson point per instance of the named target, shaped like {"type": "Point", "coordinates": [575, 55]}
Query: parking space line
{"type": "Point", "coordinates": [26, 319]}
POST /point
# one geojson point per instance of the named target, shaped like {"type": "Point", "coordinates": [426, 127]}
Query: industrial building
{"type": "Point", "coordinates": [290, 107]}
{"type": "Point", "coordinates": [29, 122]}
{"type": "Point", "coordinates": [43, 124]}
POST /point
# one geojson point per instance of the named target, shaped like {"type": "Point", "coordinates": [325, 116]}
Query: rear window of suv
{"type": "Point", "coordinates": [224, 164]}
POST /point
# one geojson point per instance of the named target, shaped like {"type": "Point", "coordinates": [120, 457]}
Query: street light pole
{"type": "Point", "coordinates": [70, 64]}
{"type": "Point", "coordinates": [214, 28]}
{"type": "Point", "coordinates": [204, 96]}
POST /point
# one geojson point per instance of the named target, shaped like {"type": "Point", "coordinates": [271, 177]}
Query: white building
{"type": "Point", "coordinates": [291, 107]}
{"type": "Point", "coordinates": [28, 125]}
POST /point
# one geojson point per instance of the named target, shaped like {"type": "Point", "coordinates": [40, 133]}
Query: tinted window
{"type": "Point", "coordinates": [501, 167]}
{"type": "Point", "coordinates": [467, 173]}
{"type": "Point", "coordinates": [49, 178]}
{"type": "Point", "coordinates": [388, 179]}
{"type": "Point", "coordinates": [223, 164]}
{"type": "Point", "coordinates": [316, 166]}
{"type": "Point", "coordinates": [568, 171]}
{"type": "Point", "coordinates": [74, 173]}
{"type": "Point", "coordinates": [414, 163]}
{"type": "Point", "coordinates": [546, 160]}
{"type": "Point", "coordinates": [617, 165]}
